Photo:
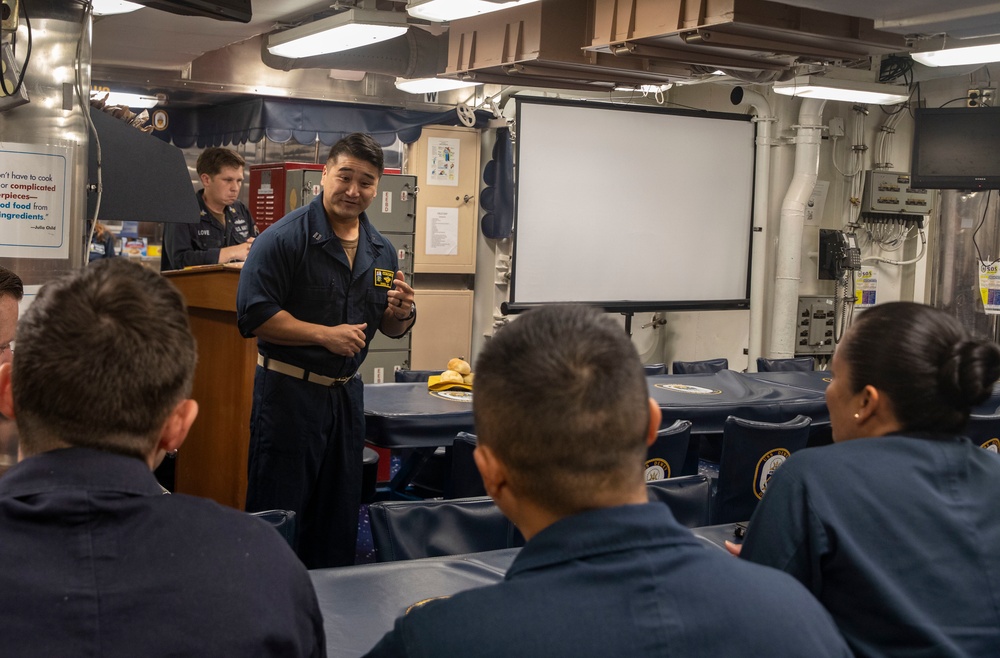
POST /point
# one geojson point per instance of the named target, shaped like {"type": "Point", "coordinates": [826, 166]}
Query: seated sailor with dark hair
{"type": "Point", "coordinates": [564, 418]}
{"type": "Point", "coordinates": [95, 561]}
{"type": "Point", "coordinates": [895, 527]}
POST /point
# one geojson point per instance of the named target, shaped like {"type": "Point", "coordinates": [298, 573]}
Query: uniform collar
{"type": "Point", "coordinates": [320, 233]}
{"type": "Point", "coordinates": [601, 531]}
{"type": "Point", "coordinates": [79, 469]}
{"type": "Point", "coordinates": [205, 212]}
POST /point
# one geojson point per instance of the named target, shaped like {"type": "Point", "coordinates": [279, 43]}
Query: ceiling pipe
{"type": "Point", "coordinates": [764, 118]}
{"type": "Point", "coordinates": [808, 134]}
{"type": "Point", "coordinates": [416, 54]}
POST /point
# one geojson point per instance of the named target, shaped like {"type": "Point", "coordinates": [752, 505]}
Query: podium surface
{"type": "Point", "coordinates": [212, 462]}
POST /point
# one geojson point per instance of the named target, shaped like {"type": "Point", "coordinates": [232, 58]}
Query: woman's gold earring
{"type": "Point", "coordinates": [857, 415]}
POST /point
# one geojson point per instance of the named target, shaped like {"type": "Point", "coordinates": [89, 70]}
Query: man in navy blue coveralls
{"type": "Point", "coordinates": [564, 418]}
{"type": "Point", "coordinates": [224, 230]}
{"type": "Point", "coordinates": [315, 288]}
{"type": "Point", "coordinates": [95, 560]}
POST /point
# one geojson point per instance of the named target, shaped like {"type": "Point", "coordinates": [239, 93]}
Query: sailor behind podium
{"type": "Point", "coordinates": [564, 419]}
{"type": "Point", "coordinates": [95, 561]}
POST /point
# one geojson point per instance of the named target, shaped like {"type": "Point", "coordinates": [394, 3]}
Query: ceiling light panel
{"type": "Point", "coordinates": [353, 28]}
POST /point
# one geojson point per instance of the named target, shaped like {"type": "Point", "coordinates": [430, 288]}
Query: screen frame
{"type": "Point", "coordinates": [919, 179]}
{"type": "Point", "coordinates": [638, 306]}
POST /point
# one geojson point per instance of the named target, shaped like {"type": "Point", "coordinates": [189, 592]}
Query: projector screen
{"type": "Point", "coordinates": [631, 209]}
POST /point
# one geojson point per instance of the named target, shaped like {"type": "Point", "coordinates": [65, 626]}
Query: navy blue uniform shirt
{"type": "Point", "coordinates": [186, 245]}
{"type": "Point", "coordinates": [622, 581]}
{"type": "Point", "coordinates": [897, 536]}
{"type": "Point", "coordinates": [298, 265]}
{"type": "Point", "coordinates": [96, 561]}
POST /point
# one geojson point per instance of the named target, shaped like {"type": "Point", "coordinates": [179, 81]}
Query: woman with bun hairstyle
{"type": "Point", "coordinates": [895, 527]}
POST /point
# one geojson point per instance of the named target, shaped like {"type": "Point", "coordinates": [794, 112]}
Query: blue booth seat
{"type": "Point", "coordinates": [799, 363]}
{"type": "Point", "coordinates": [411, 529]}
{"type": "Point", "coordinates": [414, 376]}
{"type": "Point", "coordinates": [665, 458]}
{"type": "Point", "coordinates": [751, 452]}
{"type": "Point", "coordinates": [696, 367]}
{"type": "Point", "coordinates": [281, 520]}
{"type": "Point", "coordinates": [688, 497]}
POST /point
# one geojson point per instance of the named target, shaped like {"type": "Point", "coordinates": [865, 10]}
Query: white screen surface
{"type": "Point", "coordinates": [630, 209]}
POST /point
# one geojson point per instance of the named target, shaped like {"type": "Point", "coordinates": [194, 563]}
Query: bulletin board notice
{"type": "Point", "coordinates": [34, 200]}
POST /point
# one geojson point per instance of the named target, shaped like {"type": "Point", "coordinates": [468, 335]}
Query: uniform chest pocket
{"type": "Point", "coordinates": [317, 304]}
{"type": "Point", "coordinates": [205, 240]}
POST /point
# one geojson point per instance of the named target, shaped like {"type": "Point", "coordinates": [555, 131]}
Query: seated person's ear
{"type": "Point", "coordinates": [492, 470]}
{"type": "Point", "coordinates": [175, 428]}
{"type": "Point", "coordinates": [655, 417]}
{"type": "Point", "coordinates": [6, 392]}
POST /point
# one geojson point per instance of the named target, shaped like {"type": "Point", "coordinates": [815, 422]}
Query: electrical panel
{"type": "Point", "coordinates": [814, 326]}
{"type": "Point", "coordinates": [889, 196]}
{"type": "Point", "coordinates": [393, 212]}
{"type": "Point", "coordinates": [278, 188]}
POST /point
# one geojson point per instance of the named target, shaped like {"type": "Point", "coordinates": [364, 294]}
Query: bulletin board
{"type": "Point", "coordinates": [631, 208]}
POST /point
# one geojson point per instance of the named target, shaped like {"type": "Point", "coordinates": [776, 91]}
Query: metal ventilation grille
{"type": "Point", "coordinates": [602, 43]}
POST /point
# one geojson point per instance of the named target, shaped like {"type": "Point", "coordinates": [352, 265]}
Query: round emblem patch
{"type": "Point", "coordinates": [993, 445]}
{"type": "Point", "coordinates": [657, 469]}
{"type": "Point", "coordinates": [766, 467]}
{"type": "Point", "coordinates": [454, 396]}
{"type": "Point", "coordinates": [693, 390]}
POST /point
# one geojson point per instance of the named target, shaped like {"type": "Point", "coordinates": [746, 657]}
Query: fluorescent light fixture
{"type": "Point", "coordinates": [349, 29]}
{"type": "Point", "coordinates": [109, 7]}
{"type": "Point", "coordinates": [834, 89]}
{"type": "Point", "coordinates": [646, 89]}
{"type": "Point", "coordinates": [429, 85]}
{"type": "Point", "coordinates": [962, 55]}
{"type": "Point", "coordinates": [128, 100]}
{"type": "Point", "coordinates": [450, 10]}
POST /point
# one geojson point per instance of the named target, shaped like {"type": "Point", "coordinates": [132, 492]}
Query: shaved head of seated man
{"type": "Point", "coordinates": [564, 418]}
{"type": "Point", "coordinates": [94, 560]}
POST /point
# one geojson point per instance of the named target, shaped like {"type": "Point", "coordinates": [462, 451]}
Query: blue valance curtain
{"type": "Point", "coordinates": [305, 122]}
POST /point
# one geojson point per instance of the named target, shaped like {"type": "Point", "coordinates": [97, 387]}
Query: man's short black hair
{"type": "Point", "coordinates": [103, 356]}
{"type": "Point", "coordinates": [561, 399]}
{"type": "Point", "coordinates": [11, 284]}
{"type": "Point", "coordinates": [360, 146]}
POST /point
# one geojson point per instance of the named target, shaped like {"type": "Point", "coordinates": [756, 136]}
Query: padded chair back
{"type": "Point", "coordinates": [655, 369]}
{"type": "Point", "coordinates": [411, 529]}
{"type": "Point", "coordinates": [751, 451]}
{"type": "Point", "coordinates": [695, 367]}
{"type": "Point", "coordinates": [281, 520]}
{"type": "Point", "coordinates": [801, 363]}
{"type": "Point", "coordinates": [689, 498]}
{"type": "Point", "coordinates": [414, 376]}
{"type": "Point", "coordinates": [984, 431]}
{"type": "Point", "coordinates": [465, 480]}
{"type": "Point", "coordinates": [665, 458]}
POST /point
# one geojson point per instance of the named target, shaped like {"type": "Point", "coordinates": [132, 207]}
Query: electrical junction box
{"type": "Point", "coordinates": [890, 193]}
{"type": "Point", "coordinates": [278, 188]}
{"type": "Point", "coordinates": [814, 326]}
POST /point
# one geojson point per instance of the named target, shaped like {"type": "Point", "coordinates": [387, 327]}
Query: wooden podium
{"type": "Point", "coordinates": [212, 462]}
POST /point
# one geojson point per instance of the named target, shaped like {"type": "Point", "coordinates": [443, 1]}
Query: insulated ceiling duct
{"type": "Point", "coordinates": [747, 31]}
